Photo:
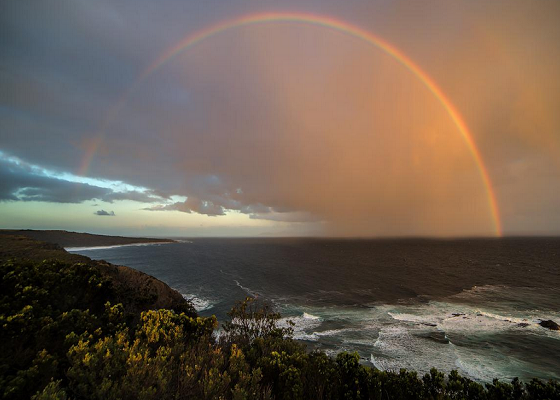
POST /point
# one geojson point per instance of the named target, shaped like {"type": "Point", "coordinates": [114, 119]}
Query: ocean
{"type": "Point", "coordinates": [471, 304]}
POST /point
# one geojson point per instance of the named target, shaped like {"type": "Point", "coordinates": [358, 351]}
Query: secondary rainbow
{"type": "Point", "coordinates": [322, 21]}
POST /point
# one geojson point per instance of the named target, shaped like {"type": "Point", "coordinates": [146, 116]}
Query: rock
{"type": "Point", "coordinates": [523, 325]}
{"type": "Point", "coordinates": [550, 324]}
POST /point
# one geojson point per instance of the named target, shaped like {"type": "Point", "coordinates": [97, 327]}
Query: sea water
{"type": "Point", "coordinates": [473, 304]}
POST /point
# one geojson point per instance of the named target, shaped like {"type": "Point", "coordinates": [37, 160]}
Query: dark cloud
{"type": "Point", "coordinates": [191, 205]}
{"type": "Point", "coordinates": [257, 211]}
{"type": "Point", "coordinates": [20, 183]}
{"type": "Point", "coordinates": [105, 213]}
{"type": "Point", "coordinates": [215, 205]}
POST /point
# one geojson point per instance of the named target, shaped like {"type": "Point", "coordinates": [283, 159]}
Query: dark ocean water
{"type": "Point", "coordinates": [472, 305]}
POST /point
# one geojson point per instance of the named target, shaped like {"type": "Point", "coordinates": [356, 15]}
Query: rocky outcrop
{"type": "Point", "coordinates": [550, 324]}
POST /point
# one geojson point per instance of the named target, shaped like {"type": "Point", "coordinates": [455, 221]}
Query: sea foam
{"type": "Point", "coordinates": [198, 303]}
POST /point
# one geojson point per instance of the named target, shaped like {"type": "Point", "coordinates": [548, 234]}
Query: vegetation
{"type": "Point", "coordinates": [62, 337]}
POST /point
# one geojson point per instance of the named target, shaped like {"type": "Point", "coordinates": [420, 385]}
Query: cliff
{"type": "Point", "coordinates": [136, 290]}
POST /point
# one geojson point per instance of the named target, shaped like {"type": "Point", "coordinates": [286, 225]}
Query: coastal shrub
{"type": "Point", "coordinates": [51, 392]}
{"type": "Point", "coordinates": [41, 305]}
{"type": "Point", "coordinates": [352, 377]}
{"type": "Point", "coordinates": [251, 319]}
{"type": "Point", "coordinates": [319, 374]}
{"type": "Point", "coordinates": [537, 389]}
{"type": "Point", "coordinates": [143, 365]}
{"type": "Point", "coordinates": [62, 338]}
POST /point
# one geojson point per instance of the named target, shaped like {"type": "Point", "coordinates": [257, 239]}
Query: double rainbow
{"type": "Point", "coordinates": [316, 20]}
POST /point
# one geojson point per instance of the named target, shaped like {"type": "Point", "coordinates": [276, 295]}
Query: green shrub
{"type": "Point", "coordinates": [62, 338]}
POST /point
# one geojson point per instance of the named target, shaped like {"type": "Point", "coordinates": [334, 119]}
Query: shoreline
{"type": "Point", "coordinates": [137, 290]}
{"type": "Point", "coordinates": [130, 280]}
{"type": "Point", "coordinates": [114, 246]}
{"type": "Point", "coordinates": [71, 240]}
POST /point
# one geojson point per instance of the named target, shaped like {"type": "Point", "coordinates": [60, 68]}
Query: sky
{"type": "Point", "coordinates": [281, 127]}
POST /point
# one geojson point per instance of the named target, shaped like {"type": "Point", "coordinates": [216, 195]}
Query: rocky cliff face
{"type": "Point", "coordinates": [136, 290]}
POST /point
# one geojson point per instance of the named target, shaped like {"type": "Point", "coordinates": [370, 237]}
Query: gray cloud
{"type": "Point", "coordinates": [190, 205]}
{"type": "Point", "coordinates": [218, 205]}
{"type": "Point", "coordinates": [18, 183]}
{"type": "Point", "coordinates": [105, 213]}
{"type": "Point", "coordinates": [21, 182]}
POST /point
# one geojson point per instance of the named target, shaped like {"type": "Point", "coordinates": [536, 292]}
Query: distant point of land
{"type": "Point", "coordinates": [75, 239]}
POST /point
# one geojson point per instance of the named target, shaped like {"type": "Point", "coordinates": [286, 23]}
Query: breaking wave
{"type": "Point", "coordinates": [198, 303]}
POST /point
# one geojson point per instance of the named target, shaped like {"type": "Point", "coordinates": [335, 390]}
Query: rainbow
{"type": "Point", "coordinates": [322, 21]}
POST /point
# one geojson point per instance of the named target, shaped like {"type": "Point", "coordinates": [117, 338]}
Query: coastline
{"type": "Point", "coordinates": [86, 248]}
{"type": "Point", "coordinates": [423, 330]}
{"type": "Point", "coordinates": [133, 301]}
{"type": "Point", "coordinates": [137, 290]}
{"type": "Point", "coordinates": [68, 239]}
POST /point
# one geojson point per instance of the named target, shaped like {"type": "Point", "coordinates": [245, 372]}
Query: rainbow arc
{"type": "Point", "coordinates": [322, 21]}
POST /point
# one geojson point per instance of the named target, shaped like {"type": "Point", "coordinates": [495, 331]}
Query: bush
{"type": "Point", "coordinates": [250, 320]}
{"type": "Point", "coordinates": [44, 307]}
{"type": "Point", "coordinates": [62, 338]}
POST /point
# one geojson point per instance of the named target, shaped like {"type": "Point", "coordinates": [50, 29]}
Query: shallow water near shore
{"type": "Point", "coordinates": [472, 305]}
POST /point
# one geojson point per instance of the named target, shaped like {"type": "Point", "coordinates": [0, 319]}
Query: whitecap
{"type": "Point", "coordinates": [339, 333]}
{"type": "Point", "coordinates": [198, 303]}
{"type": "Point", "coordinates": [310, 316]}
{"type": "Point", "coordinates": [412, 318]}
{"type": "Point", "coordinates": [398, 347]}
{"type": "Point", "coordinates": [302, 325]}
